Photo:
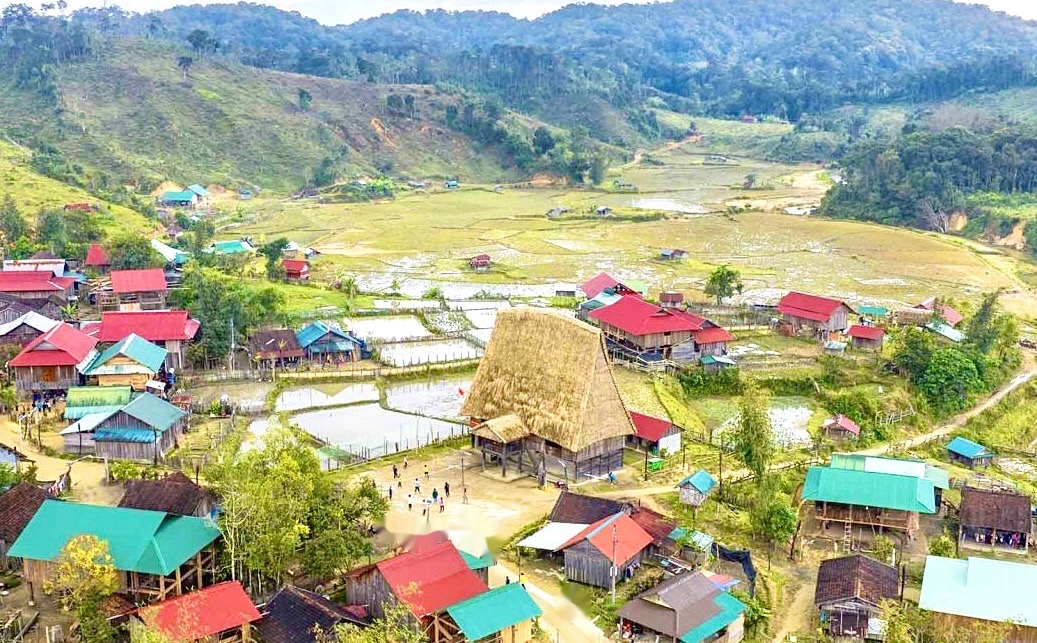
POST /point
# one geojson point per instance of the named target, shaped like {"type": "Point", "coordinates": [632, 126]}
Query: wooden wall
{"type": "Point", "coordinates": [949, 622]}
{"type": "Point", "coordinates": [368, 588]}
{"type": "Point", "coordinates": [585, 564]}
{"type": "Point", "coordinates": [44, 378]}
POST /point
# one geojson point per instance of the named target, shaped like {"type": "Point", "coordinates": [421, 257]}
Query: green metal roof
{"type": "Point", "coordinates": [875, 311]}
{"type": "Point", "coordinates": [87, 400]}
{"type": "Point", "coordinates": [490, 612]}
{"type": "Point", "coordinates": [896, 466]}
{"type": "Point", "coordinates": [230, 247]}
{"type": "Point", "coordinates": [868, 489]}
{"type": "Point", "coordinates": [197, 189]}
{"type": "Point", "coordinates": [992, 590]}
{"type": "Point", "coordinates": [177, 197]}
{"type": "Point", "coordinates": [154, 411]}
{"type": "Point", "coordinates": [730, 609]}
{"type": "Point", "coordinates": [478, 562]}
{"type": "Point", "coordinates": [140, 350]}
{"type": "Point", "coordinates": [149, 542]}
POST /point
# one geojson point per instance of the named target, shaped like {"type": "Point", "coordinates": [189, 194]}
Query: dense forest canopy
{"type": "Point", "coordinates": [709, 56]}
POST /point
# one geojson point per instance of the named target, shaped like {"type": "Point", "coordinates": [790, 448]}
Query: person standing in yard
{"type": "Point", "coordinates": [464, 494]}
{"type": "Point", "coordinates": [404, 463]}
{"type": "Point", "coordinates": [441, 506]}
{"type": "Point", "coordinates": [435, 494]}
{"type": "Point", "coordinates": [446, 489]}
{"type": "Point", "coordinates": [395, 472]}
{"type": "Point", "coordinates": [425, 469]}
{"type": "Point", "coordinates": [522, 579]}
{"type": "Point", "coordinates": [417, 486]}
{"type": "Point", "coordinates": [410, 502]}
{"type": "Point", "coordinates": [390, 491]}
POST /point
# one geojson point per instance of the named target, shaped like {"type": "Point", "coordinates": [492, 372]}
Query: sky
{"type": "Point", "coordinates": [345, 11]}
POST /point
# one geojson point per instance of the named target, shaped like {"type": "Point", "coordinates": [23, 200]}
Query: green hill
{"type": "Point", "coordinates": [129, 114]}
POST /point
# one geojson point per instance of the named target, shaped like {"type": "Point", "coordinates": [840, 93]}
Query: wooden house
{"type": "Point", "coordinates": [671, 299]}
{"type": "Point", "coordinates": [673, 254]}
{"type": "Point", "coordinates": [869, 499]}
{"type": "Point", "coordinates": [544, 398]}
{"type": "Point", "coordinates": [323, 342]}
{"type": "Point", "coordinates": [13, 458]}
{"type": "Point", "coordinates": [178, 199]}
{"type": "Point", "coordinates": [21, 331]}
{"type": "Point", "coordinates": [133, 362]}
{"type": "Point", "coordinates": [504, 615]}
{"type": "Point", "coordinates": [275, 347]}
{"type": "Point", "coordinates": [642, 328]}
{"type": "Point", "coordinates": [174, 494]}
{"type": "Point", "coordinates": [897, 467]}
{"type": "Point", "coordinates": [841, 427]}
{"type": "Point", "coordinates": [17, 507]}
{"type": "Point", "coordinates": [965, 595]}
{"type": "Point", "coordinates": [821, 315]}
{"type": "Point", "coordinates": [426, 583]}
{"type": "Point", "coordinates": [36, 285]}
{"type": "Point", "coordinates": [994, 520]}
{"type": "Point", "coordinates": [135, 290]}
{"type": "Point", "coordinates": [221, 613]}
{"type": "Point", "coordinates": [480, 263]}
{"type": "Point", "coordinates": [156, 555]}
{"type": "Point", "coordinates": [53, 362]}
{"type": "Point", "coordinates": [474, 551]}
{"type": "Point", "coordinates": [686, 608]}
{"type": "Point", "coordinates": [654, 435]}
{"type": "Point", "coordinates": [969, 453]}
{"type": "Point", "coordinates": [611, 547]}
{"type": "Point", "coordinates": [695, 488]}
{"type": "Point", "coordinates": [866, 337]}
{"type": "Point", "coordinates": [173, 330]}
{"type": "Point", "coordinates": [297, 270]}
{"type": "Point", "coordinates": [81, 401]}
{"type": "Point", "coordinates": [98, 259]}
{"type": "Point", "coordinates": [294, 615]}
{"type": "Point", "coordinates": [603, 211]}
{"type": "Point", "coordinates": [11, 308]}
{"type": "Point", "coordinates": [145, 429]}
{"type": "Point", "coordinates": [849, 593]}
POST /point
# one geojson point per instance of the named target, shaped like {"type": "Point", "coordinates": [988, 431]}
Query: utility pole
{"type": "Point", "coordinates": [720, 492]}
{"type": "Point", "coordinates": [646, 465]}
{"type": "Point", "coordinates": [614, 570]}
{"type": "Point", "coordinates": [230, 355]}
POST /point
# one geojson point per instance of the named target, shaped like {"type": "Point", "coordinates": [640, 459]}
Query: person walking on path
{"type": "Point", "coordinates": [522, 579]}
{"type": "Point", "coordinates": [417, 486]}
{"type": "Point", "coordinates": [425, 469]}
{"type": "Point", "coordinates": [435, 494]}
{"type": "Point", "coordinates": [390, 492]}
{"type": "Point", "coordinates": [395, 472]}
{"type": "Point", "coordinates": [446, 489]}
{"type": "Point", "coordinates": [464, 494]}
{"type": "Point", "coordinates": [410, 502]}
{"type": "Point", "coordinates": [442, 507]}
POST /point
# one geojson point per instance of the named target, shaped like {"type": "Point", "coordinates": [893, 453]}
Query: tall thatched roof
{"type": "Point", "coordinates": [551, 371]}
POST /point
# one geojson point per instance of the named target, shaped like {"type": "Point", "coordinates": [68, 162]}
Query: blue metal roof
{"type": "Point", "coordinates": [315, 331]}
{"type": "Point", "coordinates": [700, 480]}
{"type": "Point", "coordinates": [729, 610]}
{"type": "Point", "coordinates": [967, 448]}
{"type": "Point", "coordinates": [125, 435]}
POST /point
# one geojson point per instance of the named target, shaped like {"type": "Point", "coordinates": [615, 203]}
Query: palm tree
{"type": "Point", "coordinates": [70, 311]}
{"type": "Point", "coordinates": [348, 285]}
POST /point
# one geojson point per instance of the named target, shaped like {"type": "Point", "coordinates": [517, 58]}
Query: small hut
{"type": "Point", "coordinates": [480, 263]}
{"type": "Point", "coordinates": [841, 427]}
{"type": "Point", "coordinates": [696, 488]}
{"type": "Point", "coordinates": [969, 453]}
{"type": "Point", "coordinates": [866, 337]}
{"type": "Point", "coordinates": [655, 435]}
{"type": "Point", "coordinates": [849, 593]}
{"type": "Point", "coordinates": [671, 299]}
{"type": "Point", "coordinates": [297, 270]}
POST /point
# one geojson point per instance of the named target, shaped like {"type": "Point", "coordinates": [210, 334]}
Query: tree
{"type": "Point", "coordinates": [756, 613]}
{"type": "Point", "coordinates": [348, 285]}
{"type": "Point", "coordinates": [201, 41]}
{"type": "Point", "coordinates": [397, 626]}
{"type": "Point", "coordinates": [85, 571]}
{"type": "Point", "coordinates": [898, 622]}
{"type": "Point", "coordinates": [51, 231]}
{"type": "Point", "coordinates": [133, 252]}
{"type": "Point", "coordinates": [883, 549]}
{"type": "Point", "coordinates": [305, 100]}
{"type": "Point", "coordinates": [273, 252]}
{"type": "Point", "coordinates": [724, 282]}
{"type": "Point", "coordinates": [184, 64]}
{"type": "Point", "coordinates": [12, 224]}
{"type": "Point", "coordinates": [543, 140]}
{"type": "Point", "coordinates": [772, 517]}
{"type": "Point", "coordinates": [950, 379]}
{"type": "Point", "coordinates": [942, 546]}
{"type": "Point", "coordinates": [984, 325]}
{"type": "Point", "coordinates": [914, 351]}
{"type": "Point", "coordinates": [598, 165]}
{"type": "Point", "coordinates": [752, 438]}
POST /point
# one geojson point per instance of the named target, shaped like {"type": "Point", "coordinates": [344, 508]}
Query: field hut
{"type": "Point", "coordinates": [671, 299]}
{"type": "Point", "coordinates": [221, 613]}
{"type": "Point", "coordinates": [866, 337]}
{"type": "Point", "coordinates": [841, 427]}
{"type": "Point", "coordinates": [696, 488]}
{"type": "Point", "coordinates": [132, 362]}
{"type": "Point", "coordinates": [545, 399]}
{"type": "Point", "coordinates": [969, 453]}
{"type": "Point", "coordinates": [994, 520]}
{"type": "Point", "coordinates": [156, 555]}
{"type": "Point", "coordinates": [480, 263]}
{"type": "Point", "coordinates": [849, 593]}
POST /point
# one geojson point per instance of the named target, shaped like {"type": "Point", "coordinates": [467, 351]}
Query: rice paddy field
{"type": "Point", "coordinates": [421, 240]}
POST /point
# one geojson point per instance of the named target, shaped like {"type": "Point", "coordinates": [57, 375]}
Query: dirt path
{"type": "Point", "coordinates": [563, 621]}
{"type": "Point", "coordinates": [799, 613]}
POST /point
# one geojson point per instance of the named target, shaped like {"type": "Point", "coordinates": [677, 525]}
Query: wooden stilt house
{"type": "Point", "coordinates": [544, 398]}
{"type": "Point", "coordinates": [221, 613]}
{"type": "Point", "coordinates": [155, 554]}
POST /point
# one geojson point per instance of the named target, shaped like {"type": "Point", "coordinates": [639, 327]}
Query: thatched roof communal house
{"type": "Point", "coordinates": [545, 399]}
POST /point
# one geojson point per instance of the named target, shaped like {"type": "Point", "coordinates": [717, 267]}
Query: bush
{"type": "Point", "coordinates": [724, 382]}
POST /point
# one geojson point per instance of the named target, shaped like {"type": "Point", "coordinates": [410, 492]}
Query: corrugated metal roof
{"type": "Point", "coordinates": [867, 489]}
{"type": "Point", "coordinates": [86, 400]}
{"type": "Point", "coordinates": [197, 189]}
{"type": "Point", "coordinates": [62, 345]}
{"type": "Point", "coordinates": [944, 330]}
{"type": "Point", "coordinates": [730, 609]}
{"type": "Point", "coordinates": [812, 307]}
{"type": "Point", "coordinates": [97, 256]}
{"type": "Point", "coordinates": [152, 325]}
{"type": "Point", "coordinates": [149, 542]}
{"type": "Point", "coordinates": [316, 330]}
{"type": "Point", "coordinates": [135, 347]}
{"type": "Point", "coordinates": [177, 197]}
{"type": "Point", "coordinates": [552, 535]}
{"type": "Point", "coordinates": [31, 319]}
{"type": "Point", "coordinates": [154, 411]}
{"type": "Point", "coordinates": [638, 317]}
{"type": "Point", "coordinates": [231, 247]}
{"type": "Point", "coordinates": [648, 427]}
{"type": "Point", "coordinates": [967, 448]}
{"type": "Point", "coordinates": [896, 466]}
{"type": "Point", "coordinates": [440, 575]}
{"type": "Point", "coordinates": [169, 253]}
{"type": "Point", "coordinates": [981, 588]}
{"type": "Point", "coordinates": [87, 423]}
{"type": "Point", "coordinates": [700, 480]}
{"type": "Point", "coordinates": [147, 280]}
{"type": "Point", "coordinates": [493, 611]}
{"type": "Point", "coordinates": [135, 435]}
{"type": "Point", "coordinates": [202, 613]}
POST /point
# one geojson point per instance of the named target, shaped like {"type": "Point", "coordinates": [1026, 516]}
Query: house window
{"type": "Point", "coordinates": [49, 374]}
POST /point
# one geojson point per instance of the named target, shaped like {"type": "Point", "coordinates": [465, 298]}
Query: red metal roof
{"type": "Point", "coordinates": [593, 287]}
{"type": "Point", "coordinates": [62, 345]}
{"type": "Point", "coordinates": [295, 265]}
{"type": "Point", "coordinates": [148, 280]}
{"type": "Point", "coordinates": [97, 256]}
{"type": "Point", "coordinates": [428, 582]}
{"type": "Point", "coordinates": [33, 281]}
{"type": "Point", "coordinates": [482, 257]}
{"type": "Point", "coordinates": [865, 332]}
{"type": "Point", "coordinates": [648, 427]}
{"type": "Point", "coordinates": [810, 307]}
{"type": "Point", "coordinates": [842, 422]}
{"type": "Point", "coordinates": [638, 317]}
{"type": "Point", "coordinates": [712, 335]}
{"type": "Point", "coordinates": [629, 537]}
{"type": "Point", "coordinates": [202, 613]}
{"type": "Point", "coordinates": [950, 315]}
{"type": "Point", "coordinates": [152, 325]}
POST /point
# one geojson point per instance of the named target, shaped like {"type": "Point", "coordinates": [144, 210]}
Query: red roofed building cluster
{"type": "Point", "coordinates": [53, 362]}
{"type": "Point", "coordinates": [665, 333]}
{"type": "Point", "coordinates": [170, 329]}
{"type": "Point", "coordinates": [822, 315]}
